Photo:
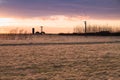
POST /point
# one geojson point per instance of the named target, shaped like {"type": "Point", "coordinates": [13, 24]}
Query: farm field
{"type": "Point", "coordinates": [18, 39]}
{"type": "Point", "coordinates": [88, 61]}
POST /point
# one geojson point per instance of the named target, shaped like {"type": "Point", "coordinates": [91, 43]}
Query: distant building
{"type": "Point", "coordinates": [41, 31]}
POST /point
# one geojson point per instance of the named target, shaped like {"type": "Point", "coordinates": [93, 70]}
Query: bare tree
{"type": "Point", "coordinates": [78, 29]}
{"type": "Point", "coordinates": [94, 29]}
{"type": "Point", "coordinates": [21, 31]}
{"type": "Point", "coordinates": [14, 31]}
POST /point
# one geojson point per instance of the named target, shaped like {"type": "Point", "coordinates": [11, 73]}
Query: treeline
{"type": "Point", "coordinates": [96, 29]}
{"type": "Point", "coordinates": [18, 31]}
{"type": "Point", "coordinates": [102, 33]}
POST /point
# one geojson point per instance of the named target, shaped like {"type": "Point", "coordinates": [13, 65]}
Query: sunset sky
{"type": "Point", "coordinates": [57, 15]}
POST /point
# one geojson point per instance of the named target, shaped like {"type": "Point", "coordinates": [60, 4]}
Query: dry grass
{"type": "Point", "coordinates": [60, 62]}
{"type": "Point", "coordinates": [54, 38]}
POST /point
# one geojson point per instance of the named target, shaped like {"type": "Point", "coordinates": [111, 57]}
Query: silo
{"type": "Point", "coordinates": [33, 30]}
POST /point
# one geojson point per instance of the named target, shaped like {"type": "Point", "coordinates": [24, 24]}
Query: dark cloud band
{"type": "Point", "coordinates": [35, 8]}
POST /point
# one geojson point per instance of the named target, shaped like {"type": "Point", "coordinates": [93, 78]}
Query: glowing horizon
{"type": "Point", "coordinates": [52, 22]}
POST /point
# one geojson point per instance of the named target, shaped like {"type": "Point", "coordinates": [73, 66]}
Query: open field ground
{"type": "Point", "coordinates": [62, 58]}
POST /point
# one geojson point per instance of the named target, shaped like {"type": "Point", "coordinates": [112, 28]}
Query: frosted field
{"type": "Point", "coordinates": [88, 61]}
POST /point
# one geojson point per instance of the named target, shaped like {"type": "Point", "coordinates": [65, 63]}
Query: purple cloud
{"type": "Point", "coordinates": [34, 8]}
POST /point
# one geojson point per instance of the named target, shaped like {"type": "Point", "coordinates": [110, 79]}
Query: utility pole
{"type": "Point", "coordinates": [85, 22]}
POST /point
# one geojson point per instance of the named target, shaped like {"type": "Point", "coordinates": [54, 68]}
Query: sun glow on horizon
{"type": "Point", "coordinates": [57, 21]}
{"type": "Point", "coordinates": [6, 21]}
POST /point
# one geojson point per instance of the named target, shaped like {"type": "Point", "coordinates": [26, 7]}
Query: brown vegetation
{"type": "Point", "coordinates": [60, 62]}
